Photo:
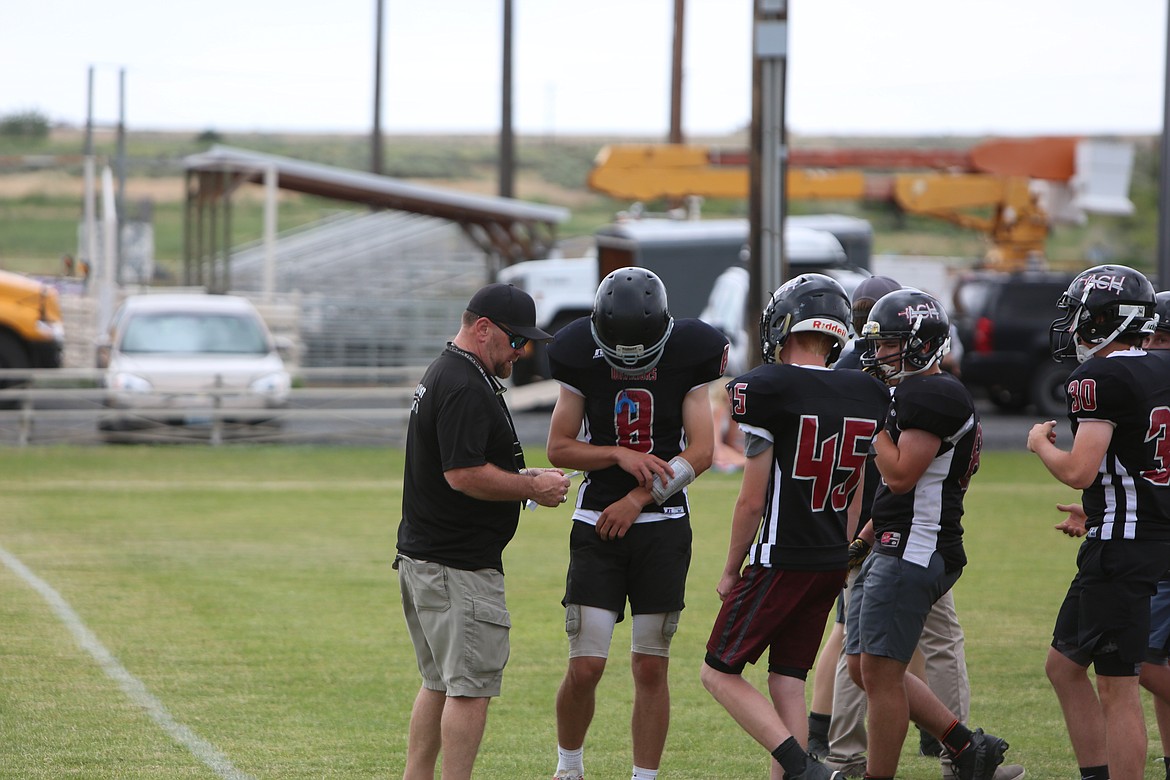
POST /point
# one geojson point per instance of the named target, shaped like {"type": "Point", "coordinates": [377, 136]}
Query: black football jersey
{"type": "Point", "coordinates": [1130, 498]}
{"type": "Point", "coordinates": [642, 412]}
{"type": "Point", "coordinates": [913, 525]}
{"type": "Point", "coordinates": [820, 422]}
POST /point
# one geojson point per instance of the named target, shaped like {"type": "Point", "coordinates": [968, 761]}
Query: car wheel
{"type": "Point", "coordinates": [12, 355]}
{"type": "Point", "coordinates": [533, 366]}
{"type": "Point", "coordinates": [1005, 400]}
{"type": "Point", "coordinates": [1048, 388]}
{"type": "Point", "coordinates": [530, 365]}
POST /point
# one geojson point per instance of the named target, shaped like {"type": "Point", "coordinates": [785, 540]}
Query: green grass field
{"type": "Point", "coordinates": [249, 590]}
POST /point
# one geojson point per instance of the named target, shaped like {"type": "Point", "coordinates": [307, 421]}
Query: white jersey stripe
{"type": "Point", "coordinates": [1115, 482]}
{"type": "Point", "coordinates": [925, 528]}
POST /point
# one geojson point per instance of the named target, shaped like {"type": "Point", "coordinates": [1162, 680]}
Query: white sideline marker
{"type": "Point", "coordinates": [134, 688]}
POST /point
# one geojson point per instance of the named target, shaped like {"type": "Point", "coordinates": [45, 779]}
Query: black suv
{"type": "Point", "coordinates": [1003, 321]}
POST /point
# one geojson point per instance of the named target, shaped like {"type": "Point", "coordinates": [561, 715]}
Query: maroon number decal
{"type": "Point", "coordinates": [818, 461]}
{"type": "Point", "coordinates": [976, 452]}
{"type": "Point", "coordinates": [1083, 395]}
{"type": "Point", "coordinates": [633, 419]}
{"type": "Point", "coordinates": [1157, 433]}
{"type": "Point", "coordinates": [738, 397]}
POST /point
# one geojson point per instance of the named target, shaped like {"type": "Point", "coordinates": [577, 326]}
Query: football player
{"type": "Point", "coordinates": [807, 429]}
{"type": "Point", "coordinates": [1155, 674]}
{"type": "Point", "coordinates": [941, 658]}
{"type": "Point", "coordinates": [1119, 409]}
{"type": "Point", "coordinates": [636, 380]}
{"type": "Point", "coordinates": [927, 452]}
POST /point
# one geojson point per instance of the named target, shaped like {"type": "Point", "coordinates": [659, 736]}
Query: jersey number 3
{"type": "Point", "coordinates": [633, 420]}
{"type": "Point", "coordinates": [819, 461]}
{"type": "Point", "coordinates": [1157, 433]}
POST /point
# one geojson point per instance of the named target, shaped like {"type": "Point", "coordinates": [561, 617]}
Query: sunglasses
{"type": "Point", "coordinates": [515, 341]}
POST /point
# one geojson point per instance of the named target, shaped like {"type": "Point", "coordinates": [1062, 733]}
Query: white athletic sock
{"type": "Point", "coordinates": [570, 760]}
{"type": "Point", "coordinates": [644, 774]}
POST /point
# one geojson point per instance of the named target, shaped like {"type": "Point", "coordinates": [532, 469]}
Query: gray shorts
{"type": "Point", "coordinates": [890, 601]}
{"type": "Point", "coordinates": [459, 624]}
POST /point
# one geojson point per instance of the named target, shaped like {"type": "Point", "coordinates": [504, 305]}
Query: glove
{"type": "Point", "coordinates": [858, 549]}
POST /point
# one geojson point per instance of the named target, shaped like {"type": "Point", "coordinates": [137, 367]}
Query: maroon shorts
{"type": "Point", "coordinates": [779, 609]}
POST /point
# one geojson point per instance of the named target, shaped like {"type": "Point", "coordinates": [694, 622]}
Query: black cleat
{"type": "Point", "coordinates": [815, 770]}
{"type": "Point", "coordinates": [979, 759]}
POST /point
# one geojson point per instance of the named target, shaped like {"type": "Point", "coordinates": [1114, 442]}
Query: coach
{"type": "Point", "coordinates": [463, 487]}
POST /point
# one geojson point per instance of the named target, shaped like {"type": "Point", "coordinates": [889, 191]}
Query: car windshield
{"type": "Point", "coordinates": [193, 333]}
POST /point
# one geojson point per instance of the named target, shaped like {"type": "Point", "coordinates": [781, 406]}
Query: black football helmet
{"type": "Point", "coordinates": [810, 302]}
{"type": "Point", "coordinates": [1162, 309]}
{"type": "Point", "coordinates": [1101, 303]}
{"type": "Point", "coordinates": [915, 319]}
{"type": "Point", "coordinates": [630, 321]}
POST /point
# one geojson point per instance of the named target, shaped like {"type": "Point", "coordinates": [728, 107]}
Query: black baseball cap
{"type": "Point", "coordinates": [509, 307]}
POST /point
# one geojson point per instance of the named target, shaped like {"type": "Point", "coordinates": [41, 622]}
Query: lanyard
{"type": "Point", "coordinates": [499, 390]}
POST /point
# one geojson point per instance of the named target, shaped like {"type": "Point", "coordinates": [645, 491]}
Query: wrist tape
{"type": "Point", "coordinates": [683, 476]}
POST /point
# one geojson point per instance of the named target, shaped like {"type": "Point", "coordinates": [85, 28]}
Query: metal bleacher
{"type": "Point", "coordinates": [377, 289]}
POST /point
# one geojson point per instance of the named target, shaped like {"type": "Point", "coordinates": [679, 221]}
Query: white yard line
{"type": "Point", "coordinates": [165, 485]}
{"type": "Point", "coordinates": [134, 689]}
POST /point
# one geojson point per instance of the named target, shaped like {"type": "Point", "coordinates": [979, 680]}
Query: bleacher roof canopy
{"type": "Point", "coordinates": [511, 229]}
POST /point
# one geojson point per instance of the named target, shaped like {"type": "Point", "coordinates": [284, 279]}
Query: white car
{"type": "Point", "coordinates": [180, 359]}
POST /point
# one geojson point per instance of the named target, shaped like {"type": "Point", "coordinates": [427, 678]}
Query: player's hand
{"type": "Point", "coordinates": [726, 583]}
{"type": "Point", "coordinates": [858, 549]}
{"type": "Point", "coordinates": [1074, 524]}
{"type": "Point", "coordinates": [550, 487]}
{"type": "Point", "coordinates": [617, 518]}
{"type": "Point", "coordinates": [1041, 432]}
{"type": "Point", "coordinates": [643, 466]}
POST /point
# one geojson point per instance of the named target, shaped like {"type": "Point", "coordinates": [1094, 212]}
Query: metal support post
{"type": "Point", "coordinates": [769, 154]}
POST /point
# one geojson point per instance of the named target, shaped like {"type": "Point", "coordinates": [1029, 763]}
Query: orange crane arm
{"type": "Point", "coordinates": [985, 188]}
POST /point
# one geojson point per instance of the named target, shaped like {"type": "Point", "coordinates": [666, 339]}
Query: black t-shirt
{"type": "Point", "coordinates": [820, 422]}
{"type": "Point", "coordinates": [641, 412]}
{"type": "Point", "coordinates": [1130, 498]}
{"type": "Point", "coordinates": [457, 420]}
{"type": "Point", "coordinates": [913, 525]}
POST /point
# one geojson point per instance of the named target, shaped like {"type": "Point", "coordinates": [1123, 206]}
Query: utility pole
{"type": "Point", "coordinates": [507, 141]}
{"type": "Point", "coordinates": [376, 137]}
{"type": "Point", "coordinates": [90, 204]}
{"type": "Point", "coordinates": [120, 200]}
{"type": "Point", "coordinates": [676, 74]}
{"type": "Point", "coordinates": [1164, 177]}
{"type": "Point", "coordinates": [768, 265]}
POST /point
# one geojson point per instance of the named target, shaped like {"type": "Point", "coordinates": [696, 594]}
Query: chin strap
{"type": "Point", "coordinates": [1084, 354]}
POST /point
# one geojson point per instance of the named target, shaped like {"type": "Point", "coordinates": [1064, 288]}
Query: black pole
{"type": "Point", "coordinates": [507, 141]}
{"type": "Point", "coordinates": [676, 74]}
{"type": "Point", "coordinates": [376, 136]}
{"type": "Point", "coordinates": [1164, 177]}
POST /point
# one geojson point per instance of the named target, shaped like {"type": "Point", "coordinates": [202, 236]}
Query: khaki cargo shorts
{"type": "Point", "coordinates": [458, 622]}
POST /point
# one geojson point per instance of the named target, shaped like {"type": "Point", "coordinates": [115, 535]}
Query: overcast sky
{"type": "Point", "coordinates": [1007, 67]}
